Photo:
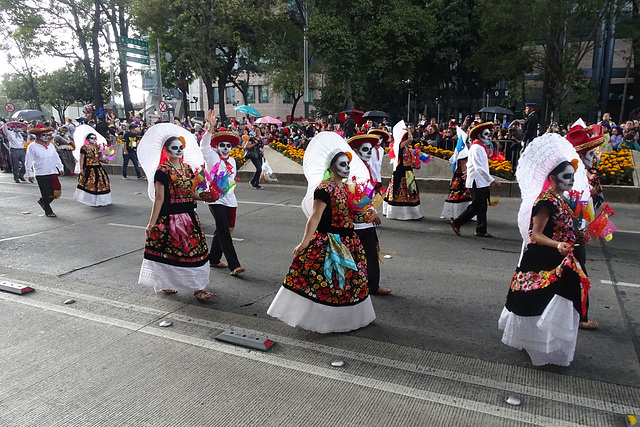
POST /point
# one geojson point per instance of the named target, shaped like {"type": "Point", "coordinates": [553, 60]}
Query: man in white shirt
{"type": "Point", "coordinates": [13, 132]}
{"type": "Point", "coordinates": [216, 149]}
{"type": "Point", "coordinates": [43, 163]}
{"type": "Point", "coordinates": [478, 180]}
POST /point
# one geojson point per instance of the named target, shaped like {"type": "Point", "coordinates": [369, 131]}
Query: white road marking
{"type": "Point", "coordinates": [343, 353]}
{"type": "Point", "coordinates": [481, 407]}
{"type": "Point", "coordinates": [628, 231]}
{"type": "Point", "coordinates": [269, 204]}
{"type": "Point", "coordinates": [140, 227]}
{"type": "Point", "coordinates": [630, 285]}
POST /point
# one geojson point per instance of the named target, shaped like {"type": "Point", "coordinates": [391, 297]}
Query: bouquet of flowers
{"type": "Point", "coordinates": [602, 226]}
{"type": "Point", "coordinates": [106, 152]}
{"type": "Point", "coordinates": [212, 185]}
{"type": "Point", "coordinates": [419, 157]}
{"type": "Point", "coordinates": [362, 196]}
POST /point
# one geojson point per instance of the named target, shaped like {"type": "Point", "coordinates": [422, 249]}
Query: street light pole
{"type": "Point", "coordinates": [306, 62]}
{"type": "Point", "coordinates": [158, 71]}
{"type": "Point", "coordinates": [408, 104]}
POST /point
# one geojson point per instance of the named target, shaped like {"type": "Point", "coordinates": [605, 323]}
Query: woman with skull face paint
{"type": "Point", "coordinates": [216, 148]}
{"type": "Point", "coordinates": [176, 256]}
{"type": "Point", "coordinates": [549, 288]}
{"type": "Point", "coordinates": [403, 197]}
{"type": "Point", "coordinates": [326, 288]}
{"type": "Point", "coordinates": [93, 188]}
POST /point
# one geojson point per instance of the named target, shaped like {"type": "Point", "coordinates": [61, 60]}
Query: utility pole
{"type": "Point", "coordinates": [158, 74]}
{"type": "Point", "coordinates": [113, 89]}
{"type": "Point", "coordinates": [305, 16]}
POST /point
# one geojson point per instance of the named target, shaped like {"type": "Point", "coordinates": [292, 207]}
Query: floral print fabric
{"type": "Point", "coordinates": [93, 179]}
{"type": "Point", "coordinates": [306, 275]}
{"type": "Point", "coordinates": [402, 190]}
{"type": "Point", "coordinates": [458, 191]}
{"type": "Point", "coordinates": [169, 247]}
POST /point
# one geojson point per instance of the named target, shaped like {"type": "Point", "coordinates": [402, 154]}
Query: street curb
{"type": "Point", "coordinates": [613, 193]}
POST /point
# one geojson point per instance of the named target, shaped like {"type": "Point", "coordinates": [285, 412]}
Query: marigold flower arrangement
{"type": "Point", "coordinates": [616, 168]}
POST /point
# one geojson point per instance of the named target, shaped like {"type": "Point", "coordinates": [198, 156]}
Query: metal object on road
{"type": "Point", "coordinates": [337, 363]}
{"type": "Point", "coordinates": [245, 340]}
{"type": "Point", "coordinates": [14, 288]}
{"type": "Point", "coordinates": [26, 213]}
{"type": "Point", "coordinates": [165, 324]}
{"type": "Point", "coordinates": [69, 301]}
{"type": "Point", "coordinates": [512, 399]}
{"type": "Point", "coordinates": [387, 257]}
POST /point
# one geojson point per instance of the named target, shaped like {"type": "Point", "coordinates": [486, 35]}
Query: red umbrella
{"type": "Point", "coordinates": [356, 115]}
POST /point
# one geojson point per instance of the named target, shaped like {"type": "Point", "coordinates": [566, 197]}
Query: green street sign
{"type": "Point", "coordinates": [134, 50]}
{"type": "Point", "coordinates": [124, 57]}
{"type": "Point", "coordinates": [135, 42]}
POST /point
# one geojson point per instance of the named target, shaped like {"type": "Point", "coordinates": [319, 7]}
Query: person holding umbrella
{"type": "Point", "coordinates": [94, 187]}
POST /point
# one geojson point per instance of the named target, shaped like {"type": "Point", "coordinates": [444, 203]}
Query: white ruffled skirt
{"type": "Point", "coordinates": [163, 276]}
{"type": "Point", "coordinates": [92, 199]}
{"type": "Point", "coordinates": [296, 310]}
{"type": "Point", "coordinates": [403, 213]}
{"type": "Point", "coordinates": [549, 338]}
{"type": "Point", "coordinates": [453, 210]}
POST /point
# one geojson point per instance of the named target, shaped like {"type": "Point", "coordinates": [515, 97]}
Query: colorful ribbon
{"type": "Point", "coordinates": [338, 257]}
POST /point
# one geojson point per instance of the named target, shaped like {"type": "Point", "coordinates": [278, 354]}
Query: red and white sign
{"type": "Point", "coordinates": [162, 106]}
{"type": "Point", "coordinates": [9, 107]}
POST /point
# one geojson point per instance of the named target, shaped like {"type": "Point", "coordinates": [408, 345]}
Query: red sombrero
{"type": "Point", "coordinates": [355, 141]}
{"type": "Point", "coordinates": [225, 136]}
{"type": "Point", "coordinates": [581, 141]}
{"type": "Point", "coordinates": [381, 133]}
{"type": "Point", "coordinates": [40, 129]}
{"type": "Point", "coordinates": [473, 133]}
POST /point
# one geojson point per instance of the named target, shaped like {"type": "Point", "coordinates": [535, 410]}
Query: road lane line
{"type": "Point", "coordinates": [628, 231]}
{"type": "Point", "coordinates": [629, 285]}
{"type": "Point", "coordinates": [269, 204]}
{"type": "Point", "coordinates": [456, 402]}
{"type": "Point", "coordinates": [367, 358]}
{"type": "Point", "coordinates": [140, 227]}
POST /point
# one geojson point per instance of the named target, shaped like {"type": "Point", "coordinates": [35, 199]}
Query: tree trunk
{"type": "Point", "coordinates": [221, 105]}
{"type": "Point", "coordinates": [635, 45]}
{"type": "Point", "coordinates": [124, 76]}
{"type": "Point", "coordinates": [348, 94]}
{"type": "Point", "coordinates": [95, 45]}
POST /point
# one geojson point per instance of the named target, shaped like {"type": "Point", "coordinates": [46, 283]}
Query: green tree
{"type": "Point", "coordinates": [17, 88]}
{"type": "Point", "coordinates": [66, 86]}
{"type": "Point", "coordinates": [210, 34]}
{"type": "Point", "coordinates": [367, 50]}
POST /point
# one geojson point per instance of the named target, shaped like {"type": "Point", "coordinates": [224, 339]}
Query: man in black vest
{"type": "Point", "coordinates": [530, 123]}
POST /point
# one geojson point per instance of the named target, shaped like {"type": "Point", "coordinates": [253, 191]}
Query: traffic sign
{"type": "Point", "coordinates": [135, 42]}
{"type": "Point", "coordinates": [135, 51]}
{"type": "Point", "coordinates": [9, 107]}
{"type": "Point", "coordinates": [139, 60]}
{"type": "Point", "coordinates": [162, 106]}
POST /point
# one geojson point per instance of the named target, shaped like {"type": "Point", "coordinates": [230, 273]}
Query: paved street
{"type": "Point", "coordinates": [432, 357]}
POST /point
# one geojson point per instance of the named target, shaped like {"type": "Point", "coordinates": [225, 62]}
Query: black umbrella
{"type": "Point", "coordinates": [375, 114]}
{"type": "Point", "coordinates": [496, 110]}
{"type": "Point", "coordinates": [29, 115]}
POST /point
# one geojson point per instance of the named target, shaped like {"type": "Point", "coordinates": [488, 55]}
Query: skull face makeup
{"type": "Point", "coordinates": [174, 148]}
{"type": "Point", "coordinates": [564, 178]}
{"type": "Point", "coordinates": [92, 138]}
{"type": "Point", "coordinates": [484, 136]}
{"type": "Point", "coordinates": [340, 165]}
{"type": "Point", "coordinates": [588, 158]}
{"type": "Point", "coordinates": [364, 152]}
{"type": "Point", "coordinates": [224, 148]}
{"type": "Point", "coordinates": [43, 137]}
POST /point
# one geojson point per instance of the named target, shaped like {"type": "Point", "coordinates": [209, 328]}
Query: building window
{"type": "Point", "coordinates": [264, 94]}
{"type": "Point", "coordinates": [216, 96]}
{"type": "Point", "coordinates": [287, 98]}
{"type": "Point", "coordinates": [251, 95]}
{"type": "Point", "coordinates": [231, 95]}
